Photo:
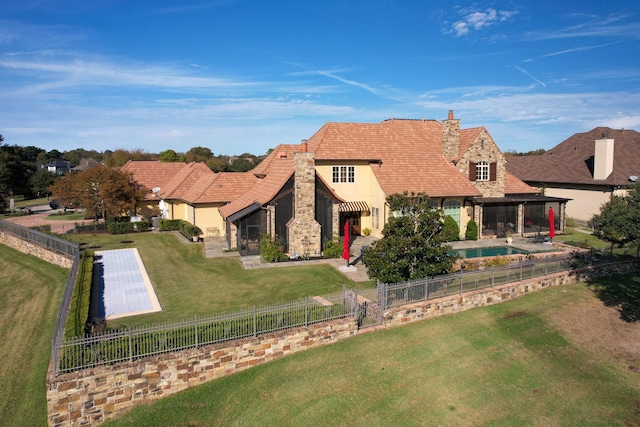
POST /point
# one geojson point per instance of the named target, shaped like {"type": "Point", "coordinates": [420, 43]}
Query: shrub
{"type": "Point", "coordinates": [333, 248]}
{"type": "Point", "coordinates": [127, 227]}
{"type": "Point", "coordinates": [472, 230]}
{"type": "Point", "coordinates": [169, 224]}
{"type": "Point", "coordinates": [269, 250]}
{"type": "Point", "coordinates": [497, 261]}
{"type": "Point", "coordinates": [79, 310]}
{"type": "Point", "coordinates": [95, 228]}
{"type": "Point", "coordinates": [366, 231]}
{"type": "Point", "coordinates": [450, 229]}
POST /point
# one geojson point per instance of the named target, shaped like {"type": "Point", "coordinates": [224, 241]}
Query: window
{"type": "Point", "coordinates": [344, 174]}
{"type": "Point", "coordinates": [375, 217]}
{"type": "Point", "coordinates": [452, 208]}
{"type": "Point", "coordinates": [482, 171]}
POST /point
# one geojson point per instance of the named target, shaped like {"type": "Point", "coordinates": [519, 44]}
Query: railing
{"type": "Point", "coordinates": [64, 247]}
{"type": "Point", "coordinates": [397, 294]}
{"type": "Point", "coordinates": [45, 240]}
{"type": "Point", "coordinates": [127, 345]}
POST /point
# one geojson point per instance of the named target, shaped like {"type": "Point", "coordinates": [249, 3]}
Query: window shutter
{"type": "Point", "coordinates": [493, 170]}
{"type": "Point", "coordinates": [472, 171]}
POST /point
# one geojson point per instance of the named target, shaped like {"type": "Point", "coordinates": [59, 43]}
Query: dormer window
{"type": "Point", "coordinates": [482, 171]}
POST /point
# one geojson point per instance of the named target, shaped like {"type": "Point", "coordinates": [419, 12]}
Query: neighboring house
{"type": "Point", "coordinates": [344, 172]}
{"type": "Point", "coordinates": [191, 192]}
{"type": "Point", "coordinates": [85, 163]}
{"type": "Point", "coordinates": [58, 166]}
{"type": "Point", "coordinates": [587, 168]}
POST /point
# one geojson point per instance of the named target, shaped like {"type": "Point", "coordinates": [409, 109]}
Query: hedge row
{"type": "Point", "coordinates": [79, 310]}
{"type": "Point", "coordinates": [128, 227]}
{"type": "Point", "coordinates": [187, 229]}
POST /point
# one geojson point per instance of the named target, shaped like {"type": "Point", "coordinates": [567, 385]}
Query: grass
{"type": "Point", "coordinates": [188, 284]}
{"type": "Point", "coordinates": [30, 293]}
{"type": "Point", "coordinates": [66, 216]}
{"type": "Point", "coordinates": [502, 365]}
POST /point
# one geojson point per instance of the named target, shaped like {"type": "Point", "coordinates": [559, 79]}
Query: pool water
{"type": "Point", "coordinates": [483, 252]}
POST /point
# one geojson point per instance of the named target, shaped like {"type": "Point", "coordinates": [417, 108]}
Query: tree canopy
{"type": "Point", "coordinates": [619, 219]}
{"type": "Point", "coordinates": [103, 192]}
{"type": "Point", "coordinates": [412, 246]}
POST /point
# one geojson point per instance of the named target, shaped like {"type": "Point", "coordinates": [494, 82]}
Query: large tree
{"type": "Point", "coordinates": [412, 246]}
{"type": "Point", "coordinates": [103, 192]}
{"type": "Point", "coordinates": [619, 219]}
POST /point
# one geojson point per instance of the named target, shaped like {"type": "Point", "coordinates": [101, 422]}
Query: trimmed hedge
{"type": "Point", "coordinates": [128, 227]}
{"type": "Point", "coordinates": [187, 229]}
{"type": "Point", "coordinates": [94, 228]}
{"type": "Point", "coordinates": [79, 310]}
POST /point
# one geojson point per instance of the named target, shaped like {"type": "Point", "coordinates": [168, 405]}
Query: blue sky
{"type": "Point", "coordinates": [243, 76]}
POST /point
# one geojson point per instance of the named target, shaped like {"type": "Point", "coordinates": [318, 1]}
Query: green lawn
{"type": "Point", "coordinates": [30, 293]}
{"type": "Point", "coordinates": [188, 284]}
{"type": "Point", "coordinates": [503, 365]}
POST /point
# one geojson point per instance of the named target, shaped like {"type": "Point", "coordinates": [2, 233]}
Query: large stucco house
{"type": "Point", "coordinates": [587, 168]}
{"type": "Point", "coordinates": [302, 194]}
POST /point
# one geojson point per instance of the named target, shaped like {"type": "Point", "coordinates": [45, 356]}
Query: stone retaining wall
{"type": "Point", "coordinates": [88, 397]}
{"type": "Point", "coordinates": [35, 250]}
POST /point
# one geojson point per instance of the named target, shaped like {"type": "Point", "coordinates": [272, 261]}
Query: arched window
{"type": "Point", "coordinates": [452, 208]}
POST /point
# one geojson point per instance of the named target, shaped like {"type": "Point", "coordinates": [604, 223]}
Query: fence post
{"type": "Point", "coordinates": [195, 328]}
{"type": "Point", "coordinates": [493, 275]}
{"type": "Point", "coordinates": [130, 344]}
{"type": "Point", "coordinates": [255, 322]}
{"type": "Point", "coordinates": [426, 289]}
{"type": "Point", "coordinates": [461, 281]}
{"type": "Point", "coordinates": [306, 311]}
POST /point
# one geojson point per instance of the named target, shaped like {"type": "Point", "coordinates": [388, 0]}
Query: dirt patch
{"type": "Point", "coordinates": [596, 327]}
{"type": "Point", "coordinates": [515, 314]}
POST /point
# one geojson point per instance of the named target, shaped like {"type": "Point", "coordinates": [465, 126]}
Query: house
{"type": "Point", "coordinates": [58, 166]}
{"type": "Point", "coordinates": [303, 194]}
{"type": "Point", "coordinates": [306, 193]}
{"type": "Point", "coordinates": [85, 163]}
{"type": "Point", "coordinates": [587, 168]}
{"type": "Point", "coordinates": [187, 191]}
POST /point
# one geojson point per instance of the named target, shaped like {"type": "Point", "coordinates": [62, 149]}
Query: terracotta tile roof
{"type": "Point", "coordinates": [152, 174]}
{"type": "Point", "coordinates": [265, 188]}
{"type": "Point", "coordinates": [467, 136]}
{"type": "Point", "coordinates": [513, 185]}
{"type": "Point", "coordinates": [409, 151]}
{"type": "Point", "coordinates": [571, 161]}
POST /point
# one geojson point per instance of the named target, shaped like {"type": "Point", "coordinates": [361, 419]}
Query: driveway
{"type": "Point", "coordinates": [40, 216]}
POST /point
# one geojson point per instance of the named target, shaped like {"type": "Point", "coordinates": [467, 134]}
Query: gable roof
{"type": "Point", "coordinates": [571, 161]}
{"type": "Point", "coordinates": [190, 182]}
{"type": "Point", "coordinates": [406, 155]}
{"type": "Point", "coordinates": [272, 177]}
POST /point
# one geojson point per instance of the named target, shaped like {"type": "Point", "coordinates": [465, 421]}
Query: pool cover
{"type": "Point", "coordinates": [126, 288]}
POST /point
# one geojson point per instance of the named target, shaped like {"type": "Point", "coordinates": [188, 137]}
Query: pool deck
{"type": "Point", "coordinates": [523, 243]}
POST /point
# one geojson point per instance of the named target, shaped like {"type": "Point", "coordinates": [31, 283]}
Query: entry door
{"type": "Point", "coordinates": [353, 219]}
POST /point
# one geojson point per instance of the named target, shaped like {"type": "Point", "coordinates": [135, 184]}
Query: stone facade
{"type": "Point", "coordinates": [304, 230]}
{"type": "Point", "coordinates": [484, 149]}
{"type": "Point", "coordinates": [451, 137]}
{"type": "Point", "coordinates": [41, 252]}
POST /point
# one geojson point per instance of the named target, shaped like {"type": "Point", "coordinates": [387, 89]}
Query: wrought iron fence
{"type": "Point", "coordinates": [127, 345]}
{"type": "Point", "coordinates": [397, 294]}
{"type": "Point", "coordinates": [45, 240]}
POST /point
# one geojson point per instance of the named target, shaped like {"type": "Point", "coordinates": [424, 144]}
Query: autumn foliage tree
{"type": "Point", "coordinates": [101, 191]}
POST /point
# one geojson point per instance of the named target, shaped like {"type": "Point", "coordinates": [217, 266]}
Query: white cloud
{"type": "Point", "coordinates": [473, 19]}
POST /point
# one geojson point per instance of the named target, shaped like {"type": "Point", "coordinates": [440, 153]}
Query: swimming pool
{"type": "Point", "coordinates": [491, 251]}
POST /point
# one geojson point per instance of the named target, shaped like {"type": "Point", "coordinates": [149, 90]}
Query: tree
{"type": "Point", "coordinates": [198, 154]}
{"type": "Point", "coordinates": [14, 174]}
{"type": "Point", "coordinates": [103, 192]}
{"type": "Point", "coordinates": [412, 246]}
{"type": "Point", "coordinates": [619, 219]}
{"type": "Point", "coordinates": [170, 156]}
{"type": "Point", "coordinates": [40, 182]}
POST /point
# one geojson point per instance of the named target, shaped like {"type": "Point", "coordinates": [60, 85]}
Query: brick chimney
{"type": "Point", "coordinates": [451, 137]}
{"type": "Point", "coordinates": [603, 158]}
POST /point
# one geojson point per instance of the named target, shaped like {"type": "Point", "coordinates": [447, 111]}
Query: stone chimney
{"type": "Point", "coordinates": [304, 230]}
{"type": "Point", "coordinates": [451, 137]}
{"type": "Point", "coordinates": [603, 158]}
